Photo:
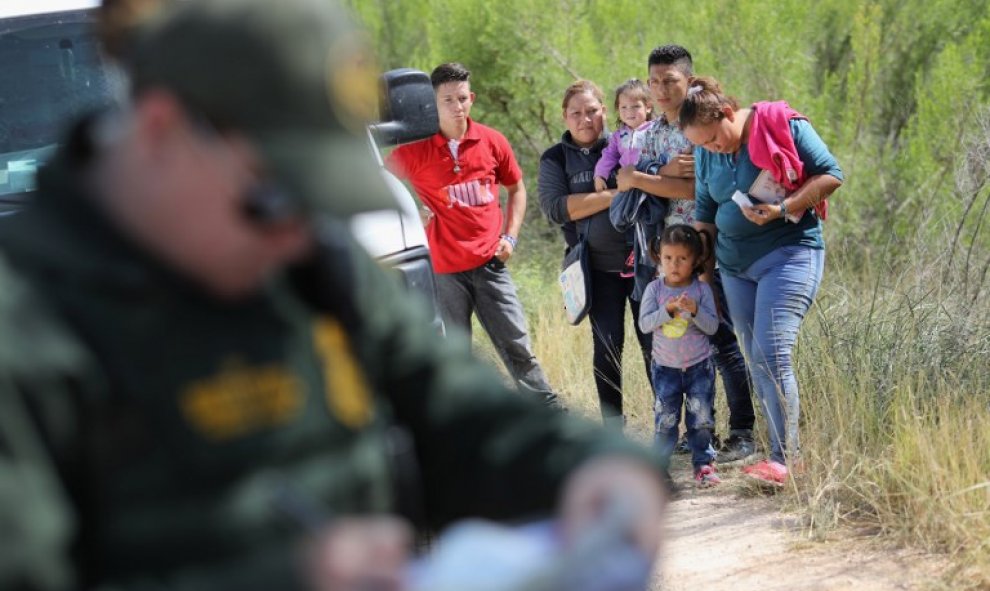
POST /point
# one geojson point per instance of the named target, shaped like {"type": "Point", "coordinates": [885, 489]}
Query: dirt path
{"type": "Point", "coordinates": [723, 539]}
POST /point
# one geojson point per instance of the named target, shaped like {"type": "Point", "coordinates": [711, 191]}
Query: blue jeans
{"type": "Point", "coordinates": [489, 292]}
{"type": "Point", "coordinates": [694, 389]}
{"type": "Point", "coordinates": [609, 294]}
{"type": "Point", "coordinates": [732, 367]}
{"type": "Point", "coordinates": [767, 302]}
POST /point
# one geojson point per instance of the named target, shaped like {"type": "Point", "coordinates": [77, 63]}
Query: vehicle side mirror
{"type": "Point", "coordinates": [408, 108]}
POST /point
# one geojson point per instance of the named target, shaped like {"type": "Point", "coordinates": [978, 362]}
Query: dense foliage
{"type": "Point", "coordinates": [897, 88]}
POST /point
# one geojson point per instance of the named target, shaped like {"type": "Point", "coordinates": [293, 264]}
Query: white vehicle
{"type": "Point", "coordinates": [53, 72]}
{"type": "Point", "coordinates": [409, 113]}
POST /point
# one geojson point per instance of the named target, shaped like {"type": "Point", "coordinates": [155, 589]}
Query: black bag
{"type": "Point", "coordinates": [575, 281]}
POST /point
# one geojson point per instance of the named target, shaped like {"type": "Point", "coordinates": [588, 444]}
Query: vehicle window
{"type": "Point", "coordinates": [52, 72]}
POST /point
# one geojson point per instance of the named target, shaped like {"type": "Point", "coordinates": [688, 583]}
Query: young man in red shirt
{"type": "Point", "coordinates": [457, 173]}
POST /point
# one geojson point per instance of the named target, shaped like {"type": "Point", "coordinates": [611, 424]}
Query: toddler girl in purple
{"type": "Point", "coordinates": [625, 146]}
{"type": "Point", "coordinates": [680, 312]}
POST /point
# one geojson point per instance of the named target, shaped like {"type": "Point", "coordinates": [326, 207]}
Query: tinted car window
{"type": "Point", "coordinates": [52, 72]}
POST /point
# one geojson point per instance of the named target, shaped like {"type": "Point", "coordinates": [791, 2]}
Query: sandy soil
{"type": "Point", "coordinates": [727, 538]}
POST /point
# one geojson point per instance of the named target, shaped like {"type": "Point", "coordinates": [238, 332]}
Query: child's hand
{"type": "Point", "coordinates": [672, 307]}
{"type": "Point", "coordinates": [687, 304]}
{"type": "Point", "coordinates": [600, 184]}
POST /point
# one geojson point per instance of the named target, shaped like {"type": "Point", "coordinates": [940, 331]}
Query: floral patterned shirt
{"type": "Point", "coordinates": [665, 139]}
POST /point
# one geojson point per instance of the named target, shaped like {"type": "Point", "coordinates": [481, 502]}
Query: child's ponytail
{"type": "Point", "coordinates": [707, 250]}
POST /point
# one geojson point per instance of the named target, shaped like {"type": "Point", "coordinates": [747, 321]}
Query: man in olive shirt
{"type": "Point", "coordinates": [198, 364]}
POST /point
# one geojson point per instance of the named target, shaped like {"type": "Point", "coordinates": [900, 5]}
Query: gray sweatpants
{"type": "Point", "coordinates": [489, 292]}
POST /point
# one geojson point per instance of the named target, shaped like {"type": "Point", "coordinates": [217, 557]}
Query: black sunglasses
{"type": "Point", "coordinates": [266, 201]}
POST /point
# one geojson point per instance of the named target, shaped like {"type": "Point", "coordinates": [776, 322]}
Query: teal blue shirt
{"type": "Point", "coordinates": [740, 242]}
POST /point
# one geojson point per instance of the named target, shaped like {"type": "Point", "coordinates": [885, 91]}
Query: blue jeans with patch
{"type": "Point", "coordinates": [489, 292]}
{"type": "Point", "coordinates": [692, 388]}
{"type": "Point", "coordinates": [767, 302]}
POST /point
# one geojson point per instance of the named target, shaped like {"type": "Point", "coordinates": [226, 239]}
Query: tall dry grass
{"type": "Point", "coordinates": [894, 367]}
{"type": "Point", "coordinates": [565, 351]}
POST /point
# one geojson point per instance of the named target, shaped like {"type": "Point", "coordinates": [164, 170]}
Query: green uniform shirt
{"type": "Point", "coordinates": [194, 438]}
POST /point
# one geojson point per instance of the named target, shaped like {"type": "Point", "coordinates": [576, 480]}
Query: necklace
{"type": "Point", "coordinates": [453, 145]}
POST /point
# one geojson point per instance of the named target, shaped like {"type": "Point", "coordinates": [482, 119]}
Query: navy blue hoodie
{"type": "Point", "coordinates": [566, 169]}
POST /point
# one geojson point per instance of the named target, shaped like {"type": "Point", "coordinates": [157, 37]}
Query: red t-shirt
{"type": "Point", "coordinates": [463, 195]}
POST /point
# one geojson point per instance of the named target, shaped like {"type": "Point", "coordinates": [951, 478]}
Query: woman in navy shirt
{"type": "Point", "coordinates": [568, 198]}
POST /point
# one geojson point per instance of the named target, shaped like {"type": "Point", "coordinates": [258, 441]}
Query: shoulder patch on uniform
{"type": "Point", "coordinates": [347, 392]}
{"type": "Point", "coordinates": [352, 81]}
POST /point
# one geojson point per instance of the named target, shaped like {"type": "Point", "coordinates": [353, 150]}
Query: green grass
{"type": "Point", "coordinates": [894, 368]}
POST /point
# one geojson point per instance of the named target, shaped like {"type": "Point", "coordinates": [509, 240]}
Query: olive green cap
{"type": "Point", "coordinates": [295, 76]}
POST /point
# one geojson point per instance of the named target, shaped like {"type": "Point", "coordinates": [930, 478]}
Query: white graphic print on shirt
{"type": "Point", "coordinates": [471, 194]}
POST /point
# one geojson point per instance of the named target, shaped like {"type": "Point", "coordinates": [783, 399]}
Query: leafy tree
{"type": "Point", "coordinates": [893, 86]}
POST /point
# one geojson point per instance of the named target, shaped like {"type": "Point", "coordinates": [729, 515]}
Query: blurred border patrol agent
{"type": "Point", "coordinates": [194, 369]}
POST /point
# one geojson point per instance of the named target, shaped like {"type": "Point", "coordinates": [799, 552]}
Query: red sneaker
{"type": "Point", "coordinates": [767, 471]}
{"type": "Point", "coordinates": [705, 477]}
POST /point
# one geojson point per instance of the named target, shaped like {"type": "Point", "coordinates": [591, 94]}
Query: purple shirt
{"type": "Point", "coordinates": [625, 147]}
{"type": "Point", "coordinates": [682, 341]}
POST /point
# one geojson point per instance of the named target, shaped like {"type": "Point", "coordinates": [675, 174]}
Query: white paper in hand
{"type": "Point", "coordinates": [741, 199]}
{"type": "Point", "coordinates": [767, 189]}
